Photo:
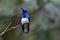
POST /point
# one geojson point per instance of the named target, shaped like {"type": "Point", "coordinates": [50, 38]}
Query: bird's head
{"type": "Point", "coordinates": [24, 10]}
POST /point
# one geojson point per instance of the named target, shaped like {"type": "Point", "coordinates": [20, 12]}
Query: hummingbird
{"type": "Point", "coordinates": [25, 19]}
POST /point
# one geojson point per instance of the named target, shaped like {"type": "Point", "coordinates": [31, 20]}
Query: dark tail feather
{"type": "Point", "coordinates": [23, 28]}
{"type": "Point", "coordinates": [28, 27]}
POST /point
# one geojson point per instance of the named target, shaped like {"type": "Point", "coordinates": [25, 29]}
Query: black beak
{"type": "Point", "coordinates": [22, 9]}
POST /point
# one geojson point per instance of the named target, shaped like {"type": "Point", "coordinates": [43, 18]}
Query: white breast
{"type": "Point", "coordinates": [24, 20]}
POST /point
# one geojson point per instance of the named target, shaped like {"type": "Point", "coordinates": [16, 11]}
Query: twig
{"type": "Point", "coordinates": [5, 29]}
{"type": "Point", "coordinates": [9, 29]}
{"type": "Point", "coordinates": [13, 27]}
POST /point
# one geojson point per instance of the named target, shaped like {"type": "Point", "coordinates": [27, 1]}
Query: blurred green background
{"type": "Point", "coordinates": [44, 15]}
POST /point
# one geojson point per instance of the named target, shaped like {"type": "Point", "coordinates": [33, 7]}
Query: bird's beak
{"type": "Point", "coordinates": [21, 8]}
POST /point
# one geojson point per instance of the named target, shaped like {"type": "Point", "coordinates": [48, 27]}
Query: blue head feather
{"type": "Point", "coordinates": [24, 14]}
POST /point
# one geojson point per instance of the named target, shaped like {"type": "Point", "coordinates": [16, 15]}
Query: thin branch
{"type": "Point", "coordinates": [9, 29]}
{"type": "Point", "coordinates": [5, 29]}
{"type": "Point", "coordinates": [13, 27]}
